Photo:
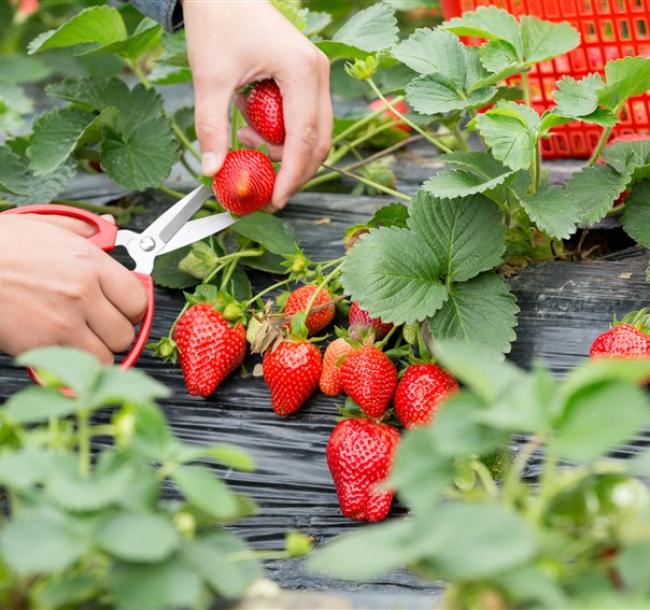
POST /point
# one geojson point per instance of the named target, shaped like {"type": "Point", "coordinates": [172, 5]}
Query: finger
{"type": "Point", "coordinates": [86, 340]}
{"type": "Point", "coordinates": [249, 137]}
{"type": "Point", "coordinates": [326, 117]}
{"type": "Point", "coordinates": [212, 96]}
{"type": "Point", "coordinates": [75, 225]}
{"type": "Point", "coordinates": [300, 97]}
{"type": "Point", "coordinates": [112, 328]}
{"type": "Point", "coordinates": [122, 288]}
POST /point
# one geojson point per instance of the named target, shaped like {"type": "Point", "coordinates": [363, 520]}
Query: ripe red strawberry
{"type": "Point", "coordinates": [360, 455]}
{"type": "Point", "coordinates": [291, 371]}
{"type": "Point", "coordinates": [361, 319]}
{"type": "Point", "coordinates": [317, 320]}
{"type": "Point", "coordinates": [330, 378]}
{"type": "Point", "coordinates": [264, 113]}
{"type": "Point", "coordinates": [369, 378]}
{"type": "Point", "coordinates": [621, 341]}
{"type": "Point", "coordinates": [401, 107]}
{"type": "Point", "coordinates": [244, 184]}
{"type": "Point", "coordinates": [420, 392]}
{"type": "Point", "coordinates": [210, 349]}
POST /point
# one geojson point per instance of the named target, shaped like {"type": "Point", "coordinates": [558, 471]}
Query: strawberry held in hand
{"type": "Point", "coordinates": [292, 371]}
{"type": "Point", "coordinates": [359, 456]}
{"type": "Point", "coordinates": [420, 392]}
{"type": "Point", "coordinates": [626, 339]}
{"type": "Point", "coordinates": [210, 349]}
{"type": "Point", "coordinates": [316, 320]}
{"type": "Point", "coordinates": [245, 182]}
{"type": "Point", "coordinates": [369, 378]}
{"type": "Point", "coordinates": [330, 378]}
{"type": "Point", "coordinates": [360, 319]}
{"type": "Point", "coordinates": [263, 111]}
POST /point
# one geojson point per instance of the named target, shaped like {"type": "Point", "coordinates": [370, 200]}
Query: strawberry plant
{"type": "Point", "coordinates": [100, 530]}
{"type": "Point", "coordinates": [578, 539]}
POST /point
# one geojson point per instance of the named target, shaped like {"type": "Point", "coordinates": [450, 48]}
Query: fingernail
{"type": "Point", "coordinates": [209, 164]}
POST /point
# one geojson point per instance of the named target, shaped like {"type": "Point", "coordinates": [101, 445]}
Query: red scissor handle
{"type": "Point", "coordinates": [104, 238]}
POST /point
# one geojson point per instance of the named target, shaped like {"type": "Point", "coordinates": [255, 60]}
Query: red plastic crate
{"type": "Point", "coordinates": [609, 29]}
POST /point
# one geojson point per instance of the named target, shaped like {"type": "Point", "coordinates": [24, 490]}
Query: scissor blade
{"type": "Point", "coordinates": [172, 221]}
{"type": "Point", "coordinates": [198, 229]}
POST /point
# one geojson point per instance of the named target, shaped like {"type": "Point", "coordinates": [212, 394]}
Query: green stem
{"type": "Point", "coordinates": [168, 191]}
{"type": "Point", "coordinates": [372, 183]}
{"type": "Point", "coordinates": [485, 477]}
{"type": "Point", "coordinates": [230, 269]}
{"type": "Point", "coordinates": [459, 137]}
{"type": "Point", "coordinates": [525, 85]}
{"type": "Point", "coordinates": [513, 480]}
{"type": "Point", "coordinates": [599, 147]}
{"type": "Point", "coordinates": [322, 285]}
{"type": "Point", "coordinates": [387, 338]}
{"type": "Point", "coordinates": [346, 148]}
{"type": "Point", "coordinates": [404, 119]}
{"type": "Point", "coordinates": [536, 170]}
{"type": "Point", "coordinates": [268, 289]}
{"type": "Point", "coordinates": [84, 442]}
{"type": "Point", "coordinates": [546, 491]}
{"type": "Point", "coordinates": [188, 167]}
{"type": "Point", "coordinates": [364, 121]}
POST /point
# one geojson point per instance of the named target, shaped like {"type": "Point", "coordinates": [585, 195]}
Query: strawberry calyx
{"type": "Point", "coordinates": [230, 308]}
{"type": "Point", "coordinates": [351, 410]}
{"type": "Point", "coordinates": [638, 319]}
{"type": "Point", "coordinates": [165, 348]}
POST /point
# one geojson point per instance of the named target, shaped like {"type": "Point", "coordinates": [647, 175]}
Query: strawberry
{"type": "Point", "coordinates": [420, 392]}
{"type": "Point", "coordinates": [359, 456]}
{"type": "Point", "coordinates": [369, 378]}
{"type": "Point", "coordinates": [330, 378]}
{"type": "Point", "coordinates": [316, 320]}
{"type": "Point", "coordinates": [210, 349]}
{"type": "Point", "coordinates": [263, 111]}
{"type": "Point", "coordinates": [245, 182]}
{"type": "Point", "coordinates": [401, 107]}
{"type": "Point", "coordinates": [361, 319]}
{"type": "Point", "coordinates": [621, 341]}
{"type": "Point", "coordinates": [291, 371]}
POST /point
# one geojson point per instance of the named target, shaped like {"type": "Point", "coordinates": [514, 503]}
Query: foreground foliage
{"type": "Point", "coordinates": [580, 538]}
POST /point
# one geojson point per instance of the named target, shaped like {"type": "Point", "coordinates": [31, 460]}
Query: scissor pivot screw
{"type": "Point", "coordinates": [147, 244]}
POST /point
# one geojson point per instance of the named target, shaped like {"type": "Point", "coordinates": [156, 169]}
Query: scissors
{"type": "Point", "coordinates": [171, 230]}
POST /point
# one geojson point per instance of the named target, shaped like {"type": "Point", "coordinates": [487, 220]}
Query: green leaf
{"type": "Point", "coordinates": [146, 37]}
{"type": "Point", "coordinates": [391, 215]}
{"type": "Point", "coordinates": [543, 40]}
{"type": "Point", "coordinates": [488, 22]}
{"type": "Point", "coordinates": [239, 286]}
{"type": "Point", "coordinates": [36, 404]}
{"type": "Point", "coordinates": [498, 56]}
{"type": "Point", "coordinates": [152, 437]}
{"type": "Point", "coordinates": [435, 94]}
{"type": "Point", "coordinates": [481, 311]}
{"type": "Point", "coordinates": [23, 468]}
{"type": "Point", "coordinates": [430, 51]}
{"type": "Point", "coordinates": [625, 78]}
{"type": "Point", "coordinates": [97, 24]}
{"type": "Point", "coordinates": [394, 276]}
{"type": "Point", "coordinates": [14, 98]}
{"type": "Point", "coordinates": [18, 68]}
{"type": "Point", "coordinates": [35, 545]}
{"type": "Point", "coordinates": [118, 386]}
{"type": "Point", "coordinates": [77, 370]}
{"type": "Point", "coordinates": [204, 490]}
{"type": "Point", "coordinates": [636, 216]}
{"type": "Point", "coordinates": [142, 159]}
{"type": "Point", "coordinates": [57, 133]}
{"type": "Point", "coordinates": [167, 274]}
{"type": "Point", "coordinates": [366, 553]}
{"type": "Point", "coordinates": [467, 236]}
{"type": "Point", "coordinates": [587, 429]}
{"type": "Point", "coordinates": [339, 50]}
{"type": "Point", "coordinates": [487, 374]}
{"type": "Point", "coordinates": [627, 157]}
{"type": "Point", "coordinates": [72, 491]}
{"type": "Point", "coordinates": [142, 537]}
{"type": "Point", "coordinates": [371, 29]}
{"type": "Point", "coordinates": [210, 557]}
{"type": "Point", "coordinates": [595, 189]}
{"type": "Point", "coordinates": [553, 209]}
{"type": "Point", "coordinates": [230, 456]}
{"type": "Point", "coordinates": [270, 263]}
{"type": "Point", "coordinates": [276, 235]}
{"type": "Point", "coordinates": [509, 130]}
{"type": "Point", "coordinates": [633, 565]}
{"type": "Point", "coordinates": [170, 584]}
{"type": "Point", "coordinates": [67, 590]}
{"type": "Point", "coordinates": [420, 472]}
{"type": "Point", "coordinates": [475, 173]}
{"type": "Point", "coordinates": [577, 98]}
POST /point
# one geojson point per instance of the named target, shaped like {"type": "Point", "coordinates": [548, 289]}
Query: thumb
{"type": "Point", "coordinates": [211, 120]}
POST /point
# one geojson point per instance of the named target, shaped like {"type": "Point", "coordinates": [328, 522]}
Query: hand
{"type": "Point", "coordinates": [232, 43]}
{"type": "Point", "coordinates": [58, 289]}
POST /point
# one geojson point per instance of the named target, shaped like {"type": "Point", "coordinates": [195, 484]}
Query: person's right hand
{"type": "Point", "coordinates": [56, 288]}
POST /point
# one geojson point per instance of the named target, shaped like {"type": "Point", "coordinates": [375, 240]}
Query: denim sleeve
{"type": "Point", "coordinates": [168, 13]}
